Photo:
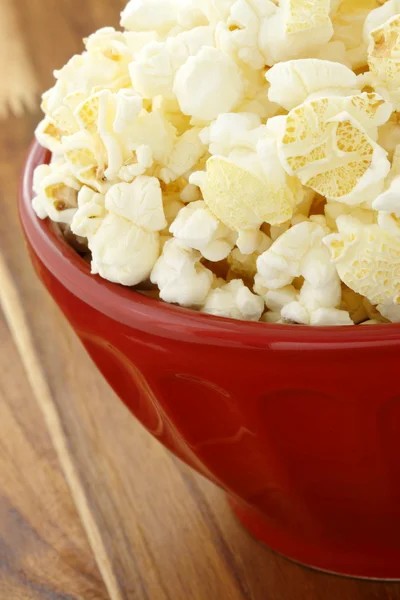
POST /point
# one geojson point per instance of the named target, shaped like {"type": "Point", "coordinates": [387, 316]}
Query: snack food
{"type": "Point", "coordinates": [237, 157]}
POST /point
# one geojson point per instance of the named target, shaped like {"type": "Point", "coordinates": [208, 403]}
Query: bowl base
{"type": "Point", "coordinates": [381, 568]}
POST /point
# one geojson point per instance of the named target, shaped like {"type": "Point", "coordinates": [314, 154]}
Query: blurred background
{"type": "Point", "coordinates": [91, 507]}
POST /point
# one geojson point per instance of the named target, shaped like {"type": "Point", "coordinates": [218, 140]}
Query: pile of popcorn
{"type": "Point", "coordinates": [238, 157]}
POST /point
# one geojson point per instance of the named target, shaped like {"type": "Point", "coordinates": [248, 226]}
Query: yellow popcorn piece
{"type": "Point", "coordinates": [384, 58]}
{"type": "Point", "coordinates": [324, 142]}
{"type": "Point", "coordinates": [367, 259]}
{"type": "Point", "coordinates": [348, 24]}
{"type": "Point", "coordinates": [243, 201]}
{"type": "Point", "coordinates": [56, 192]}
{"type": "Point", "coordinates": [49, 135]}
{"type": "Point", "coordinates": [87, 113]}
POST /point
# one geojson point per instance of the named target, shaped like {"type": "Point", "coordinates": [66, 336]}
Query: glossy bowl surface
{"type": "Point", "coordinates": [299, 425]}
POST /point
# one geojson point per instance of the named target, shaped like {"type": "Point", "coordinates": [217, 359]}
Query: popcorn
{"type": "Point", "coordinates": [228, 153]}
{"type": "Point", "coordinates": [234, 300]}
{"type": "Point", "coordinates": [382, 12]}
{"type": "Point", "coordinates": [243, 201]}
{"type": "Point", "coordinates": [180, 276]}
{"type": "Point", "coordinates": [139, 202]}
{"type": "Point", "coordinates": [286, 259]}
{"type": "Point", "coordinates": [232, 130]}
{"type": "Point", "coordinates": [324, 142]}
{"type": "Point", "coordinates": [297, 27]}
{"type": "Point", "coordinates": [294, 81]}
{"type": "Point", "coordinates": [49, 135]}
{"type": "Point", "coordinates": [367, 259]}
{"type": "Point", "coordinates": [383, 59]}
{"type": "Point", "coordinates": [244, 266]}
{"type": "Point", "coordinates": [198, 228]}
{"type": "Point", "coordinates": [154, 71]}
{"type": "Point", "coordinates": [122, 252]}
{"type": "Point", "coordinates": [238, 32]}
{"type": "Point", "coordinates": [90, 214]}
{"type": "Point", "coordinates": [185, 154]}
{"type": "Point", "coordinates": [56, 192]}
{"type": "Point", "coordinates": [208, 84]}
{"type": "Point", "coordinates": [348, 24]}
{"type": "Point", "coordinates": [149, 15]}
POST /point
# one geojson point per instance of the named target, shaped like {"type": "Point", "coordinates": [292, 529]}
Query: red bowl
{"type": "Point", "coordinates": [299, 425]}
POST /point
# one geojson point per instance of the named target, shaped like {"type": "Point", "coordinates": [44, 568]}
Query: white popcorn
{"type": "Point", "coordinates": [348, 24]}
{"type": "Point", "coordinates": [154, 70]}
{"type": "Point", "coordinates": [294, 81]}
{"type": "Point", "coordinates": [367, 259]}
{"type": "Point", "coordinates": [277, 299]}
{"type": "Point", "coordinates": [56, 192]}
{"type": "Point", "coordinates": [382, 12]}
{"type": "Point", "coordinates": [324, 317]}
{"type": "Point", "coordinates": [198, 228]}
{"type": "Point", "coordinates": [208, 84]}
{"type": "Point", "coordinates": [180, 276]}
{"type": "Point", "coordinates": [238, 31]}
{"type": "Point", "coordinates": [296, 28]}
{"type": "Point", "coordinates": [384, 61]}
{"type": "Point", "coordinates": [295, 312]}
{"type": "Point", "coordinates": [244, 266]}
{"type": "Point", "coordinates": [141, 160]}
{"type": "Point", "coordinates": [185, 154]}
{"type": "Point", "coordinates": [122, 252]}
{"type": "Point", "coordinates": [235, 132]}
{"type": "Point", "coordinates": [149, 15]}
{"type": "Point", "coordinates": [286, 259]}
{"type": "Point", "coordinates": [234, 300]}
{"type": "Point", "coordinates": [232, 130]}
{"type": "Point", "coordinates": [324, 142]}
{"type": "Point", "coordinates": [334, 51]}
{"type": "Point", "coordinates": [139, 202]}
{"type": "Point", "coordinates": [190, 193]}
{"type": "Point", "coordinates": [90, 214]}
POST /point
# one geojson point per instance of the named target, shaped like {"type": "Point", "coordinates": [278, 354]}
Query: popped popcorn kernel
{"type": "Point", "coordinates": [197, 227]}
{"type": "Point", "coordinates": [383, 60]}
{"type": "Point", "coordinates": [367, 259]}
{"type": "Point", "coordinates": [234, 300]}
{"type": "Point", "coordinates": [208, 84]}
{"type": "Point", "coordinates": [180, 276]}
{"type": "Point", "coordinates": [325, 144]}
{"type": "Point", "coordinates": [294, 81]}
{"type": "Point", "coordinates": [237, 157]}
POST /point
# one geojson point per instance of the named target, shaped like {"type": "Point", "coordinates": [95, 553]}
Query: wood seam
{"type": "Point", "coordinates": [15, 317]}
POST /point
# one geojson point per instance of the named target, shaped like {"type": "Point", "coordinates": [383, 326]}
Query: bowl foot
{"type": "Point", "coordinates": [383, 566]}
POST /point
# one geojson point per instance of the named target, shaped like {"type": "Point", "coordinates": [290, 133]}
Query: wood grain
{"type": "Point", "coordinates": [155, 530]}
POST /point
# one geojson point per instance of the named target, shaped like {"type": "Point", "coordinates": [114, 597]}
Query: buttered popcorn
{"type": "Point", "coordinates": [237, 157]}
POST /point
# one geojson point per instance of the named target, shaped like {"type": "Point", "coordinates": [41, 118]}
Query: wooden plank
{"type": "Point", "coordinates": [163, 532]}
{"type": "Point", "coordinates": [43, 548]}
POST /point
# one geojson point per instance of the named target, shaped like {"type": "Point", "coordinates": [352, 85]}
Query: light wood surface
{"type": "Point", "coordinates": [91, 507]}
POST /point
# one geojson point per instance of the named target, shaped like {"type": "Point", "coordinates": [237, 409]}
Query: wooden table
{"type": "Point", "coordinates": [91, 507]}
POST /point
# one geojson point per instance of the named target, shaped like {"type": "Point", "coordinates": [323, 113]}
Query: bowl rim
{"type": "Point", "coordinates": [148, 314]}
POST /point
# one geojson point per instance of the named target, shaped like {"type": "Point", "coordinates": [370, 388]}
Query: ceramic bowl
{"type": "Point", "coordinates": [299, 425]}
